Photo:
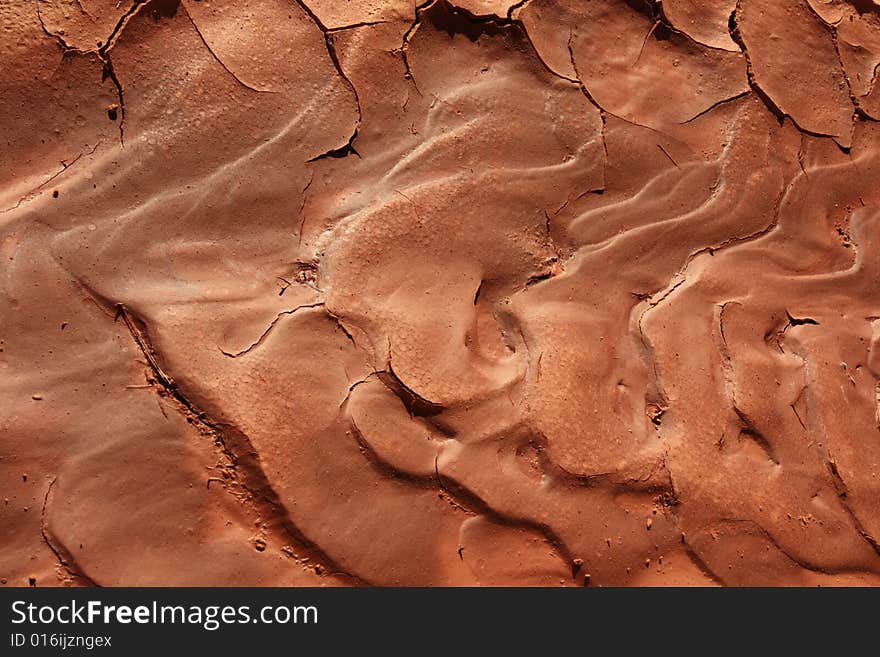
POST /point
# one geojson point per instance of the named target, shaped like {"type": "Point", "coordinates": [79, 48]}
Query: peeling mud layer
{"type": "Point", "coordinates": [469, 292]}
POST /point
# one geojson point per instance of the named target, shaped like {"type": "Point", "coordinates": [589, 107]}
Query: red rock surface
{"type": "Point", "coordinates": [456, 293]}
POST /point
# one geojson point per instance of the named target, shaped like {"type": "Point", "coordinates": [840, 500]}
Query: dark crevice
{"type": "Point", "coordinates": [457, 494]}
{"type": "Point", "coordinates": [416, 405]}
{"type": "Point", "coordinates": [800, 157]}
{"type": "Point", "coordinates": [354, 26]}
{"type": "Point", "coordinates": [331, 50]}
{"type": "Point", "coordinates": [843, 495]}
{"type": "Point", "coordinates": [104, 53]}
{"type": "Point", "coordinates": [338, 153]}
{"type": "Point", "coordinates": [799, 321]}
{"type": "Point", "coordinates": [447, 17]}
{"type": "Point", "coordinates": [537, 443]}
{"type": "Point", "coordinates": [690, 550]}
{"type": "Point", "coordinates": [512, 8]}
{"type": "Point", "coordinates": [766, 535]}
{"type": "Point", "coordinates": [668, 156]}
{"type": "Point", "coordinates": [65, 559]}
{"type": "Point", "coordinates": [539, 278]}
{"type": "Point", "coordinates": [837, 481]}
{"type": "Point", "coordinates": [593, 102]}
{"type": "Point", "coordinates": [857, 110]}
{"type": "Point", "coordinates": [220, 61]}
{"type": "Point", "coordinates": [701, 564]}
{"type": "Point", "coordinates": [873, 82]}
{"type": "Point", "coordinates": [302, 208]}
{"type": "Point", "coordinates": [751, 237]}
{"type": "Point", "coordinates": [342, 327]}
{"type": "Point", "coordinates": [356, 384]}
{"type": "Point", "coordinates": [662, 28]}
{"type": "Point", "coordinates": [161, 8]}
{"type": "Point", "coordinates": [749, 430]}
{"type": "Point", "coordinates": [473, 503]}
{"type": "Point", "coordinates": [108, 72]}
{"type": "Point", "coordinates": [404, 43]}
{"type": "Point", "coordinates": [477, 293]}
{"type": "Point", "coordinates": [723, 101]}
{"type": "Point", "coordinates": [386, 469]}
{"type": "Point", "coordinates": [798, 415]}
{"type": "Point", "coordinates": [733, 30]}
{"type": "Point", "coordinates": [246, 481]}
{"type": "Point", "coordinates": [65, 47]}
{"type": "Point", "coordinates": [236, 447]}
{"type": "Point", "coordinates": [645, 42]}
{"type": "Point", "coordinates": [269, 328]}
{"type": "Point", "coordinates": [865, 6]}
{"type": "Point", "coordinates": [657, 401]}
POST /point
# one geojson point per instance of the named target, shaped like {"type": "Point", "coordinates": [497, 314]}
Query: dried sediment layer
{"type": "Point", "coordinates": [460, 293]}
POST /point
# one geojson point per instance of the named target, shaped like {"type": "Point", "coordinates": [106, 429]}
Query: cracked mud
{"type": "Point", "coordinates": [456, 292]}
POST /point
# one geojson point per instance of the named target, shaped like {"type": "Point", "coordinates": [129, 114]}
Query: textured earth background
{"type": "Point", "coordinates": [344, 292]}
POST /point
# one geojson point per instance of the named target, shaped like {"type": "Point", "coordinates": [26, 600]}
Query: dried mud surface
{"type": "Point", "coordinates": [469, 292]}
